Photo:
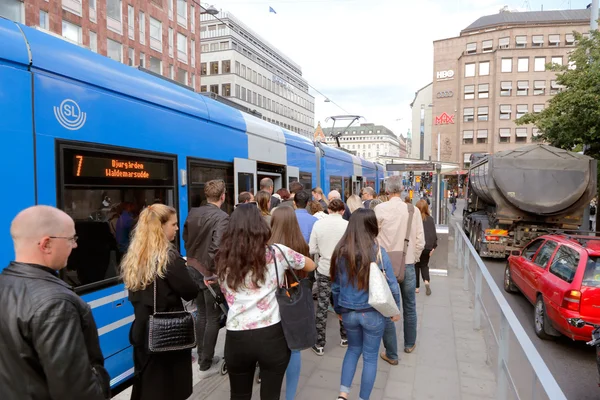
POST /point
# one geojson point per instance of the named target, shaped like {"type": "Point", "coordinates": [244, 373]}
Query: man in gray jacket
{"type": "Point", "coordinates": [49, 347]}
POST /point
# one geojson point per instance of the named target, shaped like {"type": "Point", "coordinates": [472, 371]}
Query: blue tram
{"type": "Point", "coordinates": [80, 129]}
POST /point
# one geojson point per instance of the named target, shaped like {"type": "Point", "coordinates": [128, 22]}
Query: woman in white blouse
{"type": "Point", "coordinates": [246, 270]}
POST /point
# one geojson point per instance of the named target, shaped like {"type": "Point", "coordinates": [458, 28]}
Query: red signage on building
{"type": "Point", "coordinates": [444, 119]}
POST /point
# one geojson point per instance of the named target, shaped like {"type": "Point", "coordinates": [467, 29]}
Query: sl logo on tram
{"type": "Point", "coordinates": [69, 115]}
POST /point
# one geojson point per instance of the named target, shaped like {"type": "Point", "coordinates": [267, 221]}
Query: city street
{"type": "Point", "coordinates": [573, 364]}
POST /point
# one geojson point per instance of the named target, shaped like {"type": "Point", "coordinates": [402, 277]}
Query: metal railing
{"type": "Point", "coordinates": [520, 370]}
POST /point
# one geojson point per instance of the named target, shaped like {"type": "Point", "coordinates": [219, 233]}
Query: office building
{"type": "Point", "coordinates": [421, 107]}
{"type": "Point", "coordinates": [240, 65]}
{"type": "Point", "coordinates": [369, 141]}
{"type": "Point", "coordinates": [495, 72]}
{"type": "Point", "coordinates": [159, 35]}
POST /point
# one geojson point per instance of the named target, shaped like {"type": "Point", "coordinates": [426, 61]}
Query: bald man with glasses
{"type": "Point", "coordinates": [49, 347]}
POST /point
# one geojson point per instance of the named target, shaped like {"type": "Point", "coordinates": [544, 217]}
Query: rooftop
{"type": "Point", "coordinates": [507, 19]}
{"type": "Point", "coordinates": [356, 130]}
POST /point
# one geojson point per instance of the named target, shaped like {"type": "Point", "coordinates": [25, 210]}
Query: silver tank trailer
{"type": "Point", "coordinates": [536, 183]}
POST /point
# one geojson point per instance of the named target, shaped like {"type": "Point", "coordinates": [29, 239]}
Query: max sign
{"type": "Point", "coordinates": [444, 119]}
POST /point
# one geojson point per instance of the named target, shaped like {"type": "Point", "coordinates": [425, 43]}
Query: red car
{"type": "Point", "coordinates": [560, 275]}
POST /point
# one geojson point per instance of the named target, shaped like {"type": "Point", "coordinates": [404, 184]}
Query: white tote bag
{"type": "Point", "coordinates": [380, 295]}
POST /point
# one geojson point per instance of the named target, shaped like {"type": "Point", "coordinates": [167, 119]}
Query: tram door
{"type": "Point", "coordinates": [293, 174]}
{"type": "Point", "coordinates": [244, 172]}
{"type": "Point", "coordinates": [357, 184]}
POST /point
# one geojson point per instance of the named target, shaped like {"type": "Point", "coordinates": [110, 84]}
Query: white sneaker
{"type": "Point", "coordinates": [213, 370]}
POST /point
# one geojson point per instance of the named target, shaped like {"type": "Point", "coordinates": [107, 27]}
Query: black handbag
{"type": "Point", "coordinates": [171, 330]}
{"type": "Point", "coordinates": [297, 309]}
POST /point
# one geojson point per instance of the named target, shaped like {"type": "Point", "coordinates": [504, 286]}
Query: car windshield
{"type": "Point", "coordinates": [591, 277]}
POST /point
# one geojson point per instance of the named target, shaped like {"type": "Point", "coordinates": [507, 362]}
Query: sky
{"type": "Point", "coordinates": [369, 57]}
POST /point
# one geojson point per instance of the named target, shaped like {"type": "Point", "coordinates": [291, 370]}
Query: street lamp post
{"type": "Point", "coordinates": [211, 10]}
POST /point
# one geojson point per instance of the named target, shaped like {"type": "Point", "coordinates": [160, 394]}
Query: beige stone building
{"type": "Point", "coordinates": [493, 73]}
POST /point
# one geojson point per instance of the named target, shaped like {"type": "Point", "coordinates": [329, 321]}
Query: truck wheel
{"type": "Point", "coordinates": [540, 319]}
{"type": "Point", "coordinates": [509, 285]}
{"type": "Point", "coordinates": [477, 243]}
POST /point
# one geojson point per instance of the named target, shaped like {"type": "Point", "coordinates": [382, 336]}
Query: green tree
{"type": "Point", "coordinates": [572, 117]}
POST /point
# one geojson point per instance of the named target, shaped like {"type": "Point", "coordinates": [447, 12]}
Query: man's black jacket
{"type": "Point", "coordinates": [202, 234]}
{"type": "Point", "coordinates": [49, 347]}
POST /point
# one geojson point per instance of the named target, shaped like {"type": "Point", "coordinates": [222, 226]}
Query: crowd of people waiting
{"type": "Point", "coordinates": [244, 257]}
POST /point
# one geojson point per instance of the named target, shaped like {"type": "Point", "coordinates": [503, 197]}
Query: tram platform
{"type": "Point", "coordinates": [450, 361]}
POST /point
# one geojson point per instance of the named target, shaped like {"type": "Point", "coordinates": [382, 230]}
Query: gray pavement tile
{"type": "Point", "coordinates": [402, 373]}
{"type": "Point", "coordinates": [380, 380]}
{"type": "Point", "coordinates": [477, 387]}
{"type": "Point", "coordinates": [436, 315]}
{"type": "Point", "coordinates": [398, 390]}
{"type": "Point", "coordinates": [317, 393]}
{"type": "Point", "coordinates": [466, 396]}
{"type": "Point", "coordinates": [324, 379]}
{"type": "Point", "coordinates": [438, 354]}
{"type": "Point", "coordinates": [436, 383]}
{"type": "Point", "coordinates": [478, 370]}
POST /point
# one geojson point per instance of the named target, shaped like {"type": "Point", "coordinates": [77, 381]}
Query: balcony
{"type": "Point", "coordinates": [72, 6]}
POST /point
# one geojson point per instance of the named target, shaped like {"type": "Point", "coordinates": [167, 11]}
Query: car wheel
{"type": "Point", "coordinates": [223, 370]}
{"type": "Point", "coordinates": [541, 319]}
{"type": "Point", "coordinates": [509, 285]}
{"type": "Point", "coordinates": [478, 239]}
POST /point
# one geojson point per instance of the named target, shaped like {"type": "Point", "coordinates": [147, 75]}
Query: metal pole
{"type": "Point", "coordinates": [594, 16]}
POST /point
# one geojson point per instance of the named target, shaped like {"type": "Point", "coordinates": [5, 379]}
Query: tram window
{"type": "Point", "coordinates": [306, 180]}
{"type": "Point", "coordinates": [104, 192]}
{"type": "Point", "coordinates": [347, 188]}
{"type": "Point", "coordinates": [245, 182]}
{"type": "Point", "coordinates": [199, 174]}
{"type": "Point", "coordinates": [292, 179]}
{"type": "Point", "coordinates": [335, 183]}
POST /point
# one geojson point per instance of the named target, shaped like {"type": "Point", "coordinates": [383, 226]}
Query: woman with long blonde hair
{"type": "Point", "coordinates": [354, 203]}
{"type": "Point", "coordinates": [263, 201]}
{"type": "Point", "coordinates": [152, 262]}
{"type": "Point", "coordinates": [319, 196]}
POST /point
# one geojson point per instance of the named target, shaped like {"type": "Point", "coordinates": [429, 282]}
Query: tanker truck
{"type": "Point", "coordinates": [516, 195]}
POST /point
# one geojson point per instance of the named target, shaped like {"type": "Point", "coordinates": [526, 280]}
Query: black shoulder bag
{"type": "Point", "coordinates": [170, 331]}
{"type": "Point", "coordinates": [296, 308]}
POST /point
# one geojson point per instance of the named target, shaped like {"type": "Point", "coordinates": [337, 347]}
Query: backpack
{"type": "Point", "coordinates": [592, 210]}
{"type": "Point", "coordinates": [452, 200]}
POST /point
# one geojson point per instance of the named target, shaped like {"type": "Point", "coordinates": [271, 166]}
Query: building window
{"type": "Point", "coordinates": [537, 40]}
{"type": "Point", "coordinates": [505, 88]}
{"type": "Point", "coordinates": [182, 48]}
{"type": "Point", "coordinates": [507, 65]}
{"type": "Point", "coordinates": [92, 4]}
{"type": "Point", "coordinates": [203, 89]}
{"type": "Point", "coordinates": [535, 132]}
{"type": "Point", "coordinates": [539, 64]}
{"type": "Point", "coordinates": [171, 42]}
{"type": "Point", "coordinates": [538, 108]}
{"type": "Point", "coordinates": [523, 64]}
{"type": "Point", "coordinates": [521, 41]}
{"type": "Point", "coordinates": [466, 160]}
{"type": "Point", "coordinates": [483, 91]}
{"type": "Point", "coordinates": [114, 50]}
{"type": "Point", "coordinates": [484, 68]}
{"type": "Point", "coordinates": [171, 72]}
{"type": "Point", "coordinates": [170, 9]}
{"type": "Point", "coordinates": [557, 60]}
{"type": "Point", "coordinates": [504, 43]}
{"type": "Point", "coordinates": [130, 21]}
{"type": "Point", "coordinates": [487, 46]}
{"type": "Point", "coordinates": [226, 89]}
{"type": "Point", "coordinates": [192, 18]}
{"type": "Point", "coordinates": [203, 68]}
{"type": "Point", "coordinates": [572, 65]}
{"type": "Point", "coordinates": [193, 53]}
{"type": "Point", "coordinates": [469, 92]}
{"type": "Point", "coordinates": [182, 76]}
{"type": "Point", "coordinates": [554, 40]}
{"type": "Point", "coordinates": [13, 10]}
{"type": "Point", "coordinates": [468, 114]}
{"type": "Point", "coordinates": [156, 65]}
{"type": "Point", "coordinates": [226, 66]}
{"type": "Point", "coordinates": [522, 88]}
{"type": "Point", "coordinates": [469, 70]}
{"type": "Point", "coordinates": [505, 111]}
{"type": "Point", "coordinates": [130, 56]}
{"type": "Point", "coordinates": [142, 28]}
{"type": "Point", "coordinates": [155, 34]}
{"type": "Point", "coordinates": [471, 48]}
{"type": "Point", "coordinates": [521, 135]}
{"type": "Point", "coordinates": [522, 109]}
{"type": "Point", "coordinates": [237, 67]}
{"type": "Point", "coordinates": [482, 113]}
{"type": "Point", "coordinates": [244, 94]}
{"type": "Point", "coordinates": [539, 88]}
{"type": "Point", "coordinates": [482, 135]}
{"type": "Point", "coordinates": [569, 39]}
{"type": "Point", "coordinates": [504, 135]}
{"type": "Point", "coordinates": [44, 22]}
{"type": "Point", "coordinates": [224, 46]}
{"type": "Point", "coordinates": [555, 88]}
{"type": "Point", "coordinates": [93, 42]}
{"type": "Point", "coordinates": [182, 13]}
{"type": "Point", "coordinates": [467, 137]}
{"type": "Point", "coordinates": [214, 68]}
{"type": "Point", "coordinates": [72, 32]}
{"type": "Point", "coordinates": [114, 14]}
{"type": "Point", "coordinates": [142, 60]}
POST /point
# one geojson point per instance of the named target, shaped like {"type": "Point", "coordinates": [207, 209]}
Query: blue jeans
{"type": "Point", "coordinates": [365, 330]}
{"type": "Point", "coordinates": [292, 375]}
{"type": "Point", "coordinates": [409, 314]}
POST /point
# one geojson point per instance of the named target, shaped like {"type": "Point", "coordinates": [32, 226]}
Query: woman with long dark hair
{"type": "Point", "coordinates": [350, 267]}
{"type": "Point", "coordinates": [422, 265]}
{"type": "Point", "coordinates": [286, 230]}
{"type": "Point", "coordinates": [246, 270]}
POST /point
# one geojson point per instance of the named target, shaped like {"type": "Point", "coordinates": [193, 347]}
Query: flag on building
{"type": "Point", "coordinates": [271, 10]}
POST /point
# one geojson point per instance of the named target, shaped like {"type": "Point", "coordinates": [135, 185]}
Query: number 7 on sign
{"type": "Point", "coordinates": [79, 164]}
